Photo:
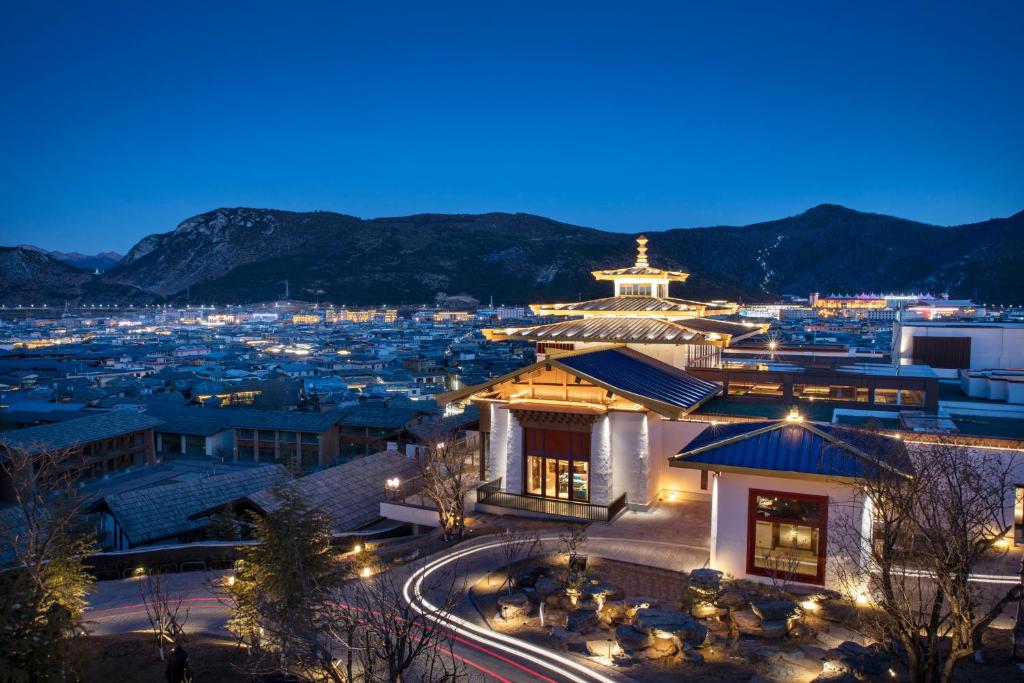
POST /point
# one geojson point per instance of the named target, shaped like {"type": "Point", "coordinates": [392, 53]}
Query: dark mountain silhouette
{"type": "Point", "coordinates": [101, 261]}
{"type": "Point", "coordinates": [244, 255]}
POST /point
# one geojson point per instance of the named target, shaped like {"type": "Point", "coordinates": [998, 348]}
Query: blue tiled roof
{"type": "Point", "coordinates": [635, 373]}
{"type": "Point", "coordinates": [824, 450]}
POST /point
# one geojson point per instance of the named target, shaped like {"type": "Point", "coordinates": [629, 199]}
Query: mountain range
{"type": "Point", "coordinates": [245, 255]}
{"type": "Point", "coordinates": [101, 261]}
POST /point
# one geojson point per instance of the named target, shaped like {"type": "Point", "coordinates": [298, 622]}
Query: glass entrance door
{"type": "Point", "coordinates": [557, 464]}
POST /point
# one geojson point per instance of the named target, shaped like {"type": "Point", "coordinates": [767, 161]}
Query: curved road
{"type": "Point", "coordinates": [116, 607]}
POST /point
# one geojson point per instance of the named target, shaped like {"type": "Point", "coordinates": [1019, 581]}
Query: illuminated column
{"type": "Point", "coordinates": [498, 461]}
{"type": "Point", "coordinates": [643, 486]}
{"type": "Point", "coordinates": [514, 456]}
{"type": "Point", "coordinates": [601, 461]}
{"type": "Point", "coordinates": [713, 560]}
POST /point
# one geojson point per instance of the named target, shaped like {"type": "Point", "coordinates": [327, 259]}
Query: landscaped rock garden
{"type": "Point", "coordinates": [714, 627]}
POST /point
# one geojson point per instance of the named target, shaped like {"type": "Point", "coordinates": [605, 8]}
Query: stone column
{"type": "Point", "coordinates": [496, 464]}
{"type": "Point", "coordinates": [514, 456]}
{"type": "Point", "coordinates": [601, 461]}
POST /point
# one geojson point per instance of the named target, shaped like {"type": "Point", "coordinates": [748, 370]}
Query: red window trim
{"type": "Point", "coordinates": [819, 578]}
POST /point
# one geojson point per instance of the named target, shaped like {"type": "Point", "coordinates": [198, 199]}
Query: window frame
{"type": "Point", "coordinates": [571, 456]}
{"type": "Point", "coordinates": [819, 578]}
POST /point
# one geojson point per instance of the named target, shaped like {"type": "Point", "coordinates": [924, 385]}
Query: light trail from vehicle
{"type": "Point", "coordinates": [563, 666]}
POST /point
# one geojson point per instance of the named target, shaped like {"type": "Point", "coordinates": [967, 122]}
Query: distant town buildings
{"type": "Point", "coordinates": [569, 410]}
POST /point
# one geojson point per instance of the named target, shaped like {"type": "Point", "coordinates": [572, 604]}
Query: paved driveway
{"type": "Point", "coordinates": [671, 536]}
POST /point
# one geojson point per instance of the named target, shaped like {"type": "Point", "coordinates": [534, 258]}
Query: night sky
{"type": "Point", "coordinates": [120, 120]}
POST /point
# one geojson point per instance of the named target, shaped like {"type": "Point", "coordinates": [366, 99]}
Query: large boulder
{"type": "Point", "coordinates": [705, 581]}
{"type": "Point", "coordinates": [515, 606]}
{"type": "Point", "coordinates": [747, 622]}
{"type": "Point", "coordinates": [669, 623]}
{"type": "Point", "coordinates": [581, 620]}
{"type": "Point", "coordinates": [775, 610]}
{"type": "Point", "coordinates": [604, 647]}
{"type": "Point", "coordinates": [602, 592]}
{"type": "Point", "coordinates": [630, 639]}
{"type": "Point", "coordinates": [662, 647]}
{"type": "Point", "coordinates": [562, 638]}
{"type": "Point", "coordinates": [732, 597]}
{"type": "Point", "coordinates": [613, 612]}
{"type": "Point", "coordinates": [862, 662]}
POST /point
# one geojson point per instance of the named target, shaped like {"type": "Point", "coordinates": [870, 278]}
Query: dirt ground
{"type": "Point", "coordinates": [133, 658]}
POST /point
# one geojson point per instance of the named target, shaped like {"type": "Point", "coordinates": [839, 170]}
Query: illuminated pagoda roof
{"type": "Point", "coordinates": [636, 330]}
{"type": "Point", "coordinates": [642, 305]}
{"type": "Point", "coordinates": [641, 269]}
{"type": "Point", "coordinates": [640, 312]}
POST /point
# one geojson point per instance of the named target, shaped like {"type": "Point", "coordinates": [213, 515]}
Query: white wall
{"type": "Point", "coordinates": [991, 347]}
{"type": "Point", "coordinates": [630, 456]}
{"type": "Point", "coordinates": [674, 436]}
{"type": "Point", "coordinates": [729, 535]}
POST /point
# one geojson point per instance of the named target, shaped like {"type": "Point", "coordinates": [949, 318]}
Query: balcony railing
{"type": "Point", "coordinates": [491, 494]}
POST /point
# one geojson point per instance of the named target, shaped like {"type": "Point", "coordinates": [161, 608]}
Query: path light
{"type": "Point", "coordinates": [393, 483]}
{"type": "Point", "coordinates": [365, 573]}
{"type": "Point", "coordinates": [862, 599]}
{"type": "Point", "coordinates": [1002, 543]}
{"type": "Point", "coordinates": [810, 605]}
{"type": "Point", "coordinates": [231, 581]}
{"type": "Point", "coordinates": [357, 548]}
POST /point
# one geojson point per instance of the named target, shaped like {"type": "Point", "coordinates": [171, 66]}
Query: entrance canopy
{"type": "Point", "coordinates": [609, 378]}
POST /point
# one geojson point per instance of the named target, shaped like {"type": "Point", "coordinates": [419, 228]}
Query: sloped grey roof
{"type": "Point", "coordinates": [349, 493]}
{"type": "Point", "coordinates": [152, 514]}
{"type": "Point", "coordinates": [285, 420]}
{"type": "Point", "coordinates": [80, 430]}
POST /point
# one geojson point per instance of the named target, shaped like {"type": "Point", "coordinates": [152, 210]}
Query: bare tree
{"type": "Point", "coordinates": [44, 593]}
{"type": "Point", "coordinates": [937, 510]}
{"type": "Point", "coordinates": [516, 546]}
{"type": "Point", "coordinates": [385, 638]}
{"type": "Point", "coordinates": [446, 478]}
{"type": "Point", "coordinates": [571, 539]}
{"type": "Point", "coordinates": [163, 610]}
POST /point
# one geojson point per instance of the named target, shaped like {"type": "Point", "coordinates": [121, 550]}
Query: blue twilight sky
{"type": "Point", "coordinates": [119, 120]}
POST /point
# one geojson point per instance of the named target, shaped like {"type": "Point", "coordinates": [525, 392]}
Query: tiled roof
{"type": "Point", "coordinates": [393, 413]}
{"type": "Point", "coordinates": [625, 330]}
{"type": "Point", "coordinates": [350, 493]}
{"type": "Point", "coordinates": [284, 420]}
{"type": "Point", "coordinates": [81, 430]}
{"type": "Point", "coordinates": [642, 270]}
{"type": "Point", "coordinates": [794, 447]}
{"type": "Point", "coordinates": [152, 514]}
{"type": "Point", "coordinates": [628, 303]}
{"type": "Point", "coordinates": [633, 330]}
{"type": "Point", "coordinates": [191, 421]}
{"type": "Point", "coordinates": [630, 372]}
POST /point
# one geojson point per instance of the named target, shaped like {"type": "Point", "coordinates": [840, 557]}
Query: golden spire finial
{"type": "Point", "coordinates": [641, 252]}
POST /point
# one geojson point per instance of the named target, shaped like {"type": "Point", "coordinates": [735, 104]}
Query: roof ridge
{"type": "Point", "coordinates": [851, 448]}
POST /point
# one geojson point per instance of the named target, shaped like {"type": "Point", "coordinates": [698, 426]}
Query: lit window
{"type": "Point", "coordinates": [786, 536]}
